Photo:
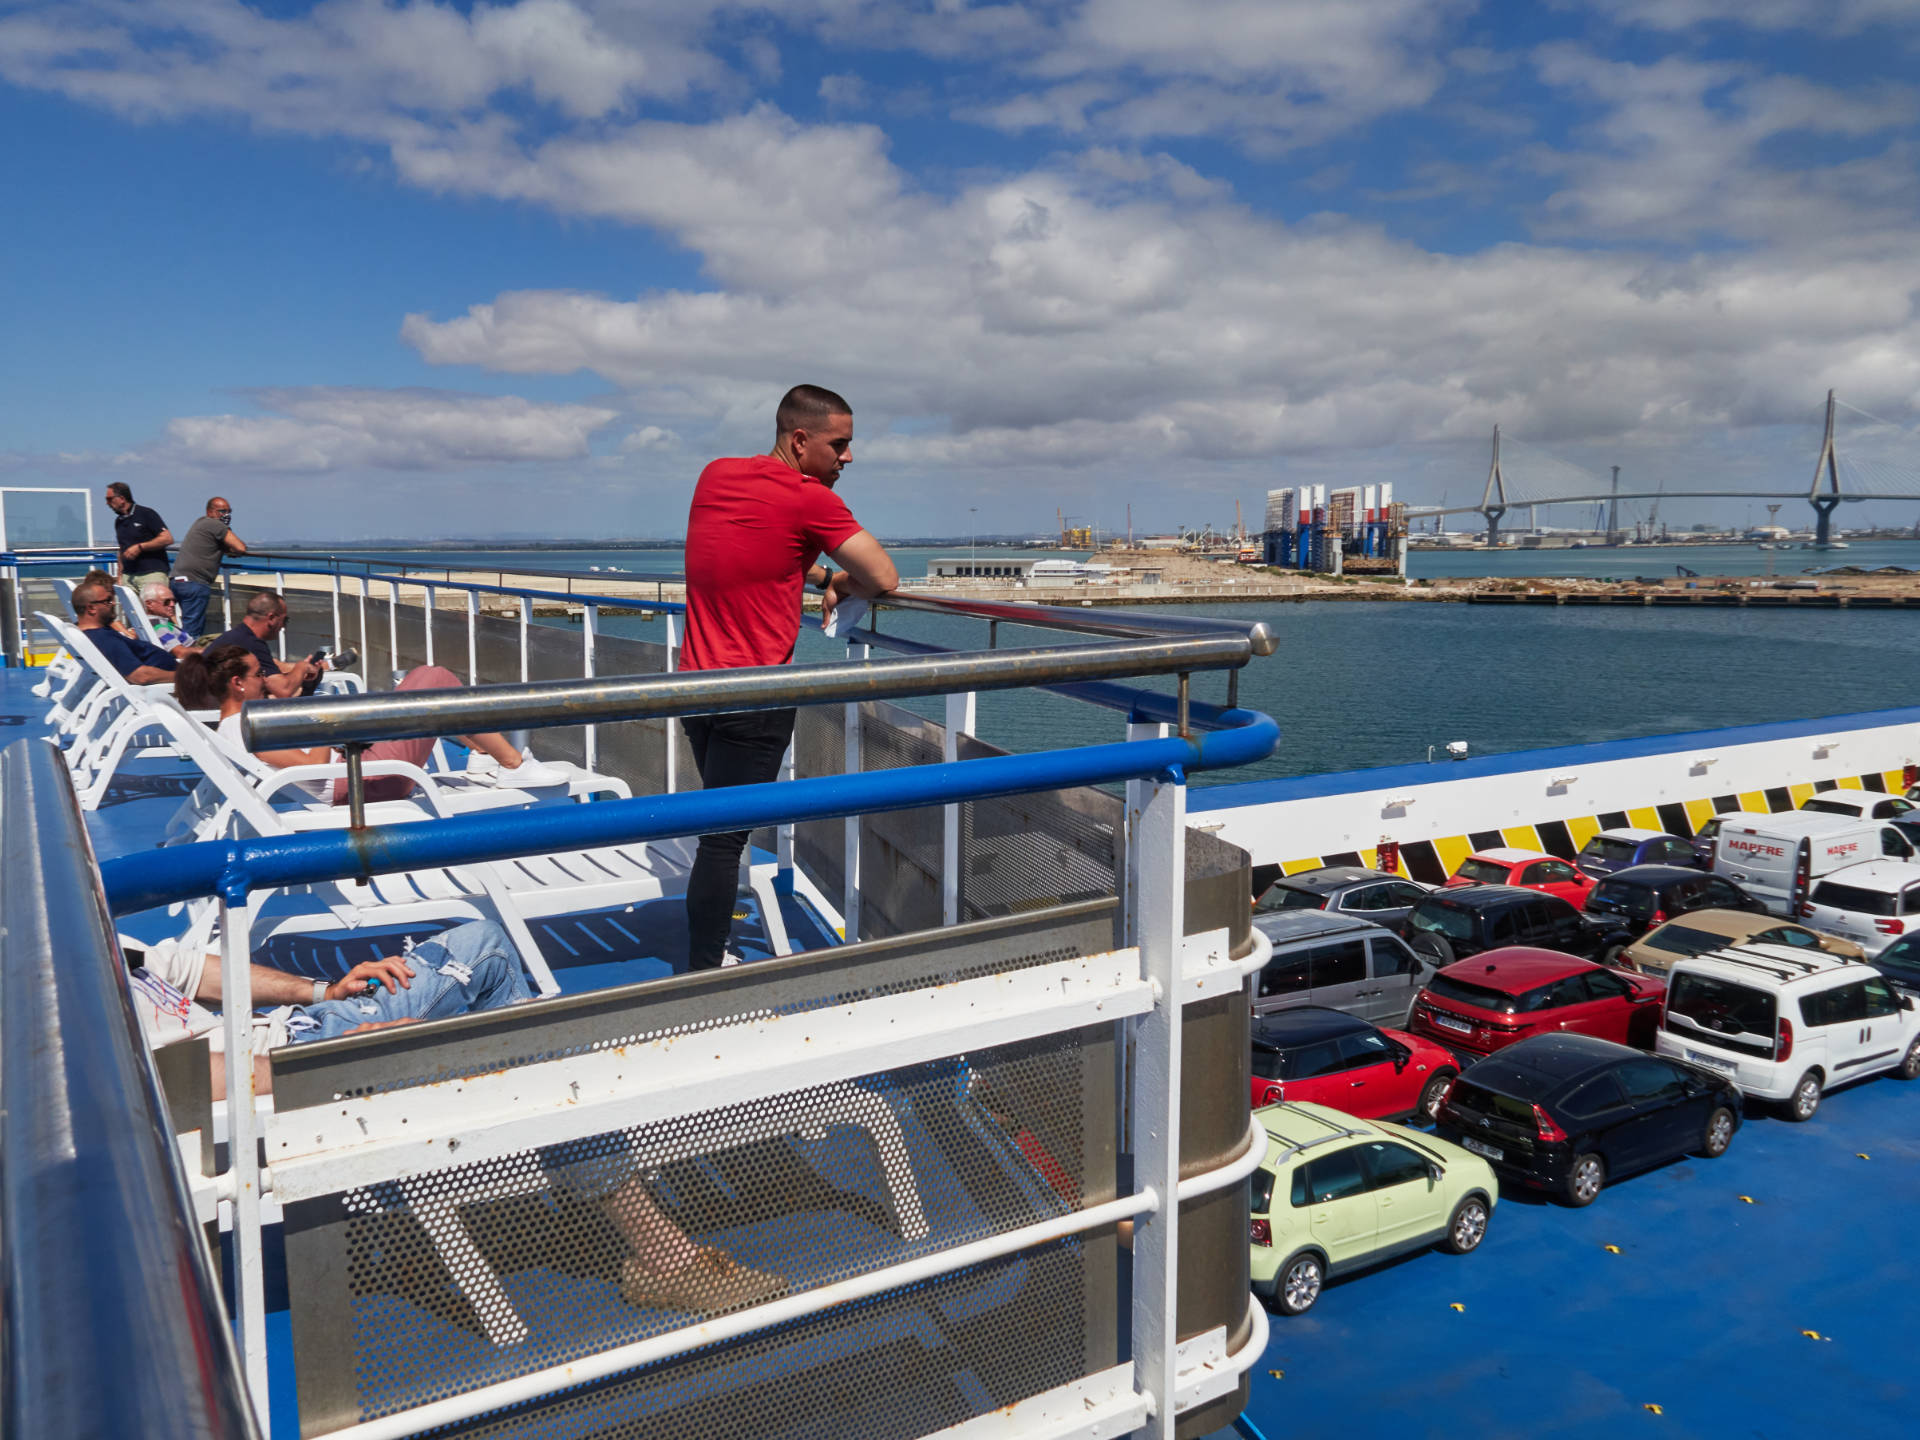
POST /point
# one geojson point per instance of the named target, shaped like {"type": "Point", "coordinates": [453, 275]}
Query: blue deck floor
{"type": "Point", "coordinates": [1698, 1326]}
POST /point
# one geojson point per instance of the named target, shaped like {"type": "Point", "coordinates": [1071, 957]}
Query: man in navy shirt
{"type": "Point", "coordinates": [264, 618]}
{"type": "Point", "coordinates": [141, 661]}
{"type": "Point", "coordinates": [142, 535]}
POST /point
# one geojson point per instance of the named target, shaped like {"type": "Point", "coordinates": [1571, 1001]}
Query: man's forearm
{"type": "Point", "coordinates": [270, 987]}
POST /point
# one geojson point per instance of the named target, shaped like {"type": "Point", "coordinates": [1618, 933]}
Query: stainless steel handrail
{"type": "Point", "coordinates": [1127, 624]}
{"type": "Point", "coordinates": [113, 1324]}
{"type": "Point", "coordinates": [395, 715]}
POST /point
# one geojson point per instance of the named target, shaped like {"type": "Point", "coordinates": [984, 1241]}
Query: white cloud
{"type": "Point", "coordinates": [318, 429]}
{"type": "Point", "coordinates": [1834, 16]}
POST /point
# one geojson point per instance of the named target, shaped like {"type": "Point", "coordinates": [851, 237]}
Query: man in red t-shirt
{"type": "Point", "coordinates": [755, 535]}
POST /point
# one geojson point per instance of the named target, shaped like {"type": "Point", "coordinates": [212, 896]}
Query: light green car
{"type": "Point", "coordinates": [1337, 1194]}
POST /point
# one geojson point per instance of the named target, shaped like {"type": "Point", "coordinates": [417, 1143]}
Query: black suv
{"type": "Point", "coordinates": [1450, 925]}
{"type": "Point", "coordinates": [1629, 903]}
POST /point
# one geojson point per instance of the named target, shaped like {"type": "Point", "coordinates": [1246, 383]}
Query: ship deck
{"type": "Point", "coordinates": [1766, 1294]}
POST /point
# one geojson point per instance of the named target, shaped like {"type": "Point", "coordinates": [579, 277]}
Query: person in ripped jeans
{"type": "Point", "coordinates": [468, 968]}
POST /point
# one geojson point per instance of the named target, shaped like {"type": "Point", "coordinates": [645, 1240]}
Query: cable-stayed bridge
{"type": "Point", "coordinates": [1859, 457]}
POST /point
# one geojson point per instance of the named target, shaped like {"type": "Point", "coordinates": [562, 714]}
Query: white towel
{"type": "Point", "coordinates": [846, 617]}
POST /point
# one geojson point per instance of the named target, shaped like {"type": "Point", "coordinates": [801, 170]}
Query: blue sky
{"type": "Point", "coordinates": [376, 268]}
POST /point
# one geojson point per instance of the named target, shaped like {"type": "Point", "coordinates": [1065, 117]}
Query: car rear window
{"type": "Point", "coordinates": [1722, 1007]}
{"type": "Point", "coordinates": [1444, 987]}
{"type": "Point", "coordinates": [1288, 897]}
{"type": "Point", "coordinates": [1831, 807]}
{"type": "Point", "coordinates": [1622, 897]}
{"type": "Point", "coordinates": [1617, 852]}
{"type": "Point", "coordinates": [1439, 918]}
{"type": "Point", "coordinates": [1269, 1063]}
{"type": "Point", "coordinates": [1853, 897]}
{"type": "Point", "coordinates": [1483, 1101]}
{"type": "Point", "coordinates": [1261, 1200]}
{"type": "Point", "coordinates": [1684, 940]}
{"type": "Point", "coordinates": [1487, 872]}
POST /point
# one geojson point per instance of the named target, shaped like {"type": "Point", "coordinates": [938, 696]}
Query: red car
{"type": "Point", "coordinates": [1500, 996]}
{"type": "Point", "coordinates": [1528, 869]}
{"type": "Point", "coordinates": [1332, 1058]}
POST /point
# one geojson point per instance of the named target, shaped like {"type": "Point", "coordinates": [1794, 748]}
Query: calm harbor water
{"type": "Point", "coordinates": [1358, 685]}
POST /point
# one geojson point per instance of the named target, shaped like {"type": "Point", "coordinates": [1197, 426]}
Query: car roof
{"type": "Point", "coordinates": [1332, 877]}
{"type": "Point", "coordinates": [1509, 855]}
{"type": "Point", "coordinates": [1763, 965]}
{"type": "Point", "coordinates": [1796, 823]}
{"type": "Point", "coordinates": [1513, 968]}
{"type": "Point", "coordinates": [1301, 1125]}
{"type": "Point", "coordinates": [1655, 874]}
{"type": "Point", "coordinates": [1544, 1064]}
{"type": "Point", "coordinates": [1734, 924]}
{"type": "Point", "coordinates": [1286, 926]}
{"type": "Point", "coordinates": [1629, 833]}
{"type": "Point", "coordinates": [1887, 875]}
{"type": "Point", "coordinates": [1472, 897]}
{"type": "Point", "coordinates": [1305, 1025]}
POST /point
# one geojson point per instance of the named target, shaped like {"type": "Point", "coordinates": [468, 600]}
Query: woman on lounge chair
{"type": "Point", "coordinates": [226, 677]}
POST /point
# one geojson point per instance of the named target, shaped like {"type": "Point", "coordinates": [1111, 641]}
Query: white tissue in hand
{"type": "Point", "coordinates": [846, 616]}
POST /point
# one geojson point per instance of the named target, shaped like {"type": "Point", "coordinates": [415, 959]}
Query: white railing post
{"type": "Point", "coordinates": [673, 740]}
{"type": "Point", "coordinates": [243, 1149]}
{"type": "Point", "coordinates": [526, 617]}
{"type": "Point", "coordinates": [226, 599]}
{"type": "Point", "coordinates": [1156, 820]}
{"type": "Point", "coordinates": [473, 637]}
{"type": "Point", "coordinates": [1130, 870]}
{"type": "Point", "coordinates": [589, 630]}
{"type": "Point", "coordinates": [783, 835]}
{"type": "Point", "coordinates": [393, 626]}
{"type": "Point", "coordinates": [336, 612]}
{"type": "Point", "coordinates": [850, 897]}
{"type": "Point", "coordinates": [365, 654]}
{"type": "Point", "coordinates": [962, 717]}
{"type": "Point", "coordinates": [280, 589]}
{"type": "Point", "coordinates": [433, 603]}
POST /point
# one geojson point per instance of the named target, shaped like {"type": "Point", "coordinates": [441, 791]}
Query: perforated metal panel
{"type": "Point", "coordinates": [409, 1291]}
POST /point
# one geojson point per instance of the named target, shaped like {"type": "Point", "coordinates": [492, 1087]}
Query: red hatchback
{"type": "Point", "coordinates": [1528, 869]}
{"type": "Point", "coordinates": [1496, 998]}
{"type": "Point", "coordinates": [1335, 1059]}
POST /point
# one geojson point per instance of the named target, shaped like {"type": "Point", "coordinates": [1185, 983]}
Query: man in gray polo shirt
{"type": "Point", "coordinates": [196, 569]}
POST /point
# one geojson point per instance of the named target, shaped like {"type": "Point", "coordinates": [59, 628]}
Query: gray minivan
{"type": "Point", "coordinates": [1346, 964]}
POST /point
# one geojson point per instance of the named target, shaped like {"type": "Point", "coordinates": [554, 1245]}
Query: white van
{"type": "Point", "coordinates": [1786, 1024]}
{"type": "Point", "coordinates": [1776, 858]}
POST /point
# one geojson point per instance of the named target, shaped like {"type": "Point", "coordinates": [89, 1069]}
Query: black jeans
{"type": "Point", "coordinates": [744, 749]}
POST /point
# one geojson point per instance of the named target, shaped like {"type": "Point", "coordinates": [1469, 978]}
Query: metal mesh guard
{"type": "Point", "coordinates": [476, 1274]}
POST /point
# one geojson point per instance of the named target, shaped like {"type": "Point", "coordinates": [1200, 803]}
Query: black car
{"type": "Point", "coordinates": [1351, 889]}
{"type": "Point", "coordinates": [1567, 1113]}
{"type": "Point", "coordinates": [1900, 963]}
{"type": "Point", "coordinates": [1629, 903]}
{"type": "Point", "coordinates": [1453, 924]}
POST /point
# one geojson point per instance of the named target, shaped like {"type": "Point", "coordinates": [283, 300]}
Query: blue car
{"type": "Point", "coordinates": [1613, 850]}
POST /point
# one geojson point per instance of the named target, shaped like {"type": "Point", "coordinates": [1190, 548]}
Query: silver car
{"type": "Point", "coordinates": [1339, 961]}
{"type": "Point", "coordinates": [1347, 889]}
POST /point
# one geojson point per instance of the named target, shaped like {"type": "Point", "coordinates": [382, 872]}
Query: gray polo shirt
{"type": "Point", "coordinates": [201, 552]}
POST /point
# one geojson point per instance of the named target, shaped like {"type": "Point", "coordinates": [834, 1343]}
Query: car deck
{"type": "Point", "coordinates": [1768, 1294]}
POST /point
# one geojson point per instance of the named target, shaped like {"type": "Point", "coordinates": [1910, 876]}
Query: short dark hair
{"type": "Point", "coordinates": [266, 606]}
{"type": "Point", "coordinates": [805, 406]}
{"type": "Point", "coordinates": [90, 592]}
{"type": "Point", "coordinates": [213, 500]}
{"type": "Point", "coordinates": [119, 487]}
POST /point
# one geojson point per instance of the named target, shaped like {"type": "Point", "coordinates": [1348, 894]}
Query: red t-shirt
{"type": "Point", "coordinates": [756, 527]}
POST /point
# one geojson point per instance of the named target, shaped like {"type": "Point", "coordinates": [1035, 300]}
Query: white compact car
{"type": "Point", "coordinates": [1786, 1024]}
{"type": "Point", "coordinates": [1871, 904]}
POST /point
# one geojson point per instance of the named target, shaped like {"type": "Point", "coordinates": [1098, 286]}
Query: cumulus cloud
{"type": "Point", "coordinates": [322, 428]}
{"type": "Point", "coordinates": [1835, 16]}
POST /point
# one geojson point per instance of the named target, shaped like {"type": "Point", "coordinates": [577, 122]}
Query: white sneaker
{"type": "Point", "coordinates": [731, 959]}
{"type": "Point", "coordinates": [482, 767]}
{"type": "Point", "coordinates": [533, 773]}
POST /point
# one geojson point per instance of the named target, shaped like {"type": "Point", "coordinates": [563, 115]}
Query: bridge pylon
{"type": "Point", "coordinates": [1826, 470]}
{"type": "Point", "coordinates": [1490, 507]}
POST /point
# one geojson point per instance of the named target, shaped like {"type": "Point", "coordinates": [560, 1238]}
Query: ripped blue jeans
{"type": "Point", "coordinates": [471, 967]}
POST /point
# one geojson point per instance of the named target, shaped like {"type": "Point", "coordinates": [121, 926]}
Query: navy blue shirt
{"type": "Point", "coordinates": [139, 524]}
{"type": "Point", "coordinates": [243, 637]}
{"type": "Point", "coordinates": [127, 655]}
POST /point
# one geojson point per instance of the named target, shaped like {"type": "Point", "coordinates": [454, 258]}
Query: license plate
{"type": "Point", "coordinates": [1492, 1152]}
{"type": "Point", "coordinates": [1714, 1062]}
{"type": "Point", "coordinates": [1447, 1022]}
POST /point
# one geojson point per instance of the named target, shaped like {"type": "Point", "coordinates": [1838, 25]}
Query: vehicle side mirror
{"type": "Point", "coordinates": [1434, 1172]}
{"type": "Point", "coordinates": [1906, 1002]}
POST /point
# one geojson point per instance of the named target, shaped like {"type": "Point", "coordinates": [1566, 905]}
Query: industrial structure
{"type": "Point", "coordinates": [1354, 527]}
